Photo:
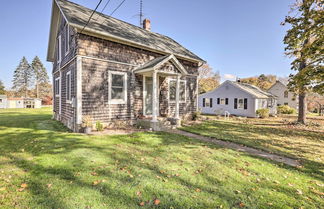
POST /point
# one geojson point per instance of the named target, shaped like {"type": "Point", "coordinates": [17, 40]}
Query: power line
{"type": "Point", "coordinates": [91, 16]}
{"type": "Point", "coordinates": [141, 12]}
{"type": "Point", "coordinates": [117, 7]}
{"type": "Point", "coordinates": [103, 9]}
{"type": "Point", "coordinates": [115, 10]}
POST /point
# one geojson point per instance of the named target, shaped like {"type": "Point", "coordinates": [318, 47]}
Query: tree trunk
{"type": "Point", "coordinates": [37, 90]}
{"type": "Point", "coordinates": [302, 108]}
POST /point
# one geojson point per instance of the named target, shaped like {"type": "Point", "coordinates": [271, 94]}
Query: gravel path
{"type": "Point", "coordinates": [239, 147]}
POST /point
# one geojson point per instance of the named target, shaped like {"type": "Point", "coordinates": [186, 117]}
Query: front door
{"type": "Point", "coordinates": [148, 90]}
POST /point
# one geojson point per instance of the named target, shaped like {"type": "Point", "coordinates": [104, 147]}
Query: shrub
{"type": "Point", "coordinates": [263, 113]}
{"type": "Point", "coordinates": [86, 121]}
{"type": "Point", "coordinates": [285, 109]}
{"type": "Point", "coordinates": [196, 115]}
{"type": "Point", "coordinates": [99, 126]}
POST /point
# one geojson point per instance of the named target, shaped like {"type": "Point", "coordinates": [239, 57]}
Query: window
{"type": "Point", "coordinates": [207, 102]}
{"type": "Point", "coordinates": [222, 101]}
{"type": "Point", "coordinates": [117, 87]}
{"type": "Point", "coordinates": [240, 104]}
{"type": "Point", "coordinates": [68, 86]}
{"type": "Point", "coordinates": [67, 39]}
{"type": "Point", "coordinates": [0, 100]}
{"type": "Point", "coordinates": [57, 87]}
{"type": "Point", "coordinates": [286, 94]}
{"type": "Point", "coordinates": [172, 90]}
{"type": "Point", "coordinates": [59, 49]}
{"type": "Point", "coordinates": [286, 103]}
{"type": "Point", "coordinates": [226, 101]}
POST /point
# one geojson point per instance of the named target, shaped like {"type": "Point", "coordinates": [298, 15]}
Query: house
{"type": "Point", "coordinates": [113, 71]}
{"type": "Point", "coordinates": [3, 101]}
{"type": "Point", "coordinates": [284, 96]}
{"type": "Point", "coordinates": [32, 103]}
{"type": "Point", "coordinates": [236, 98]}
{"type": "Point", "coordinates": [17, 102]}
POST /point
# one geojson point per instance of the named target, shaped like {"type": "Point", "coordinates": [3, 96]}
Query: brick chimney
{"type": "Point", "coordinates": [147, 24]}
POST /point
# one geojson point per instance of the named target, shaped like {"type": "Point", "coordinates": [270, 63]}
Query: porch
{"type": "Point", "coordinates": [159, 74]}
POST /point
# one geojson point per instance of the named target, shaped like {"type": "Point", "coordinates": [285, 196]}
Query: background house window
{"type": "Point", "coordinates": [286, 103]}
{"type": "Point", "coordinates": [222, 101]}
{"type": "Point", "coordinates": [286, 94]}
{"type": "Point", "coordinates": [0, 100]}
{"type": "Point", "coordinates": [240, 104]}
{"type": "Point", "coordinates": [207, 102]}
{"type": "Point", "coordinates": [68, 86]}
{"type": "Point", "coordinates": [118, 89]}
{"type": "Point", "coordinates": [172, 90]}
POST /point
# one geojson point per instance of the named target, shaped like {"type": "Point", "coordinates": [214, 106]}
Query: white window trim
{"type": "Point", "coordinates": [59, 82]}
{"type": "Point", "coordinates": [67, 39]}
{"type": "Point", "coordinates": [241, 108]}
{"type": "Point", "coordinates": [117, 101]}
{"type": "Point", "coordinates": [68, 100]}
{"type": "Point", "coordinates": [59, 49]}
{"type": "Point", "coordinates": [174, 101]}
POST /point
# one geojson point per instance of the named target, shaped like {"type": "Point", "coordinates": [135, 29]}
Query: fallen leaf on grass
{"type": "Point", "coordinates": [237, 192]}
{"type": "Point", "coordinates": [156, 201]}
{"type": "Point", "coordinates": [198, 190]}
{"type": "Point", "coordinates": [2, 188]}
{"type": "Point", "coordinates": [242, 205]}
{"type": "Point", "coordinates": [49, 185]}
{"type": "Point", "coordinates": [142, 203]}
{"type": "Point", "coordinates": [94, 174]}
{"type": "Point", "coordinates": [138, 193]}
{"type": "Point", "coordinates": [24, 185]}
{"type": "Point", "coordinates": [299, 192]}
{"type": "Point", "coordinates": [96, 182]}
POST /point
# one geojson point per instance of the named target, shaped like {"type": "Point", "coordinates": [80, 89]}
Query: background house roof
{"type": "Point", "coordinates": [78, 16]}
{"type": "Point", "coordinates": [253, 90]}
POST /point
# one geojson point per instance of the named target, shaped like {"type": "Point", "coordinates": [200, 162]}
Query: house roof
{"type": "Point", "coordinates": [253, 90]}
{"type": "Point", "coordinates": [158, 62]}
{"type": "Point", "coordinates": [113, 29]}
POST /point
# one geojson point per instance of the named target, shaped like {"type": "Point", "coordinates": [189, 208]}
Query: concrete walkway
{"type": "Point", "coordinates": [239, 147]}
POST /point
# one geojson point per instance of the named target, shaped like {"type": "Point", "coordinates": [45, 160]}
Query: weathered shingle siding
{"type": "Point", "coordinates": [67, 108]}
{"type": "Point", "coordinates": [95, 80]}
{"type": "Point", "coordinates": [65, 57]}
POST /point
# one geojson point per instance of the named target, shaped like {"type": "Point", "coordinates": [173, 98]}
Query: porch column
{"type": "Point", "coordinates": [154, 98]}
{"type": "Point", "coordinates": [177, 97]}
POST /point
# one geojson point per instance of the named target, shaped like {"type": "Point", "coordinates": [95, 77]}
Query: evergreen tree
{"type": "Point", "coordinates": [2, 88]}
{"type": "Point", "coordinates": [305, 41]}
{"type": "Point", "coordinates": [22, 78]}
{"type": "Point", "coordinates": [40, 76]}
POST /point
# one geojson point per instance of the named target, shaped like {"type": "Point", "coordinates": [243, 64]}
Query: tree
{"type": "Point", "coordinates": [262, 81]}
{"type": "Point", "coordinates": [40, 76]}
{"type": "Point", "coordinates": [2, 88]}
{"type": "Point", "coordinates": [22, 77]}
{"type": "Point", "coordinates": [304, 43]}
{"type": "Point", "coordinates": [207, 79]}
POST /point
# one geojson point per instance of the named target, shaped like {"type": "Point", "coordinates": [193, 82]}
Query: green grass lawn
{"type": "Point", "coordinates": [44, 166]}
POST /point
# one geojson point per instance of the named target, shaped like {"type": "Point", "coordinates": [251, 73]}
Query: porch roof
{"type": "Point", "coordinates": [156, 63]}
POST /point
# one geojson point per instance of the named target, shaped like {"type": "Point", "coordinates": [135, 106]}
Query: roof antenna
{"type": "Point", "coordinates": [141, 13]}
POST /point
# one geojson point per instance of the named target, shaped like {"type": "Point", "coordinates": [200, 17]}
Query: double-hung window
{"type": "Point", "coordinates": [67, 39]}
{"type": "Point", "coordinates": [173, 90]}
{"type": "Point", "coordinates": [59, 51]}
{"type": "Point", "coordinates": [68, 87]}
{"type": "Point", "coordinates": [57, 87]}
{"type": "Point", "coordinates": [117, 87]}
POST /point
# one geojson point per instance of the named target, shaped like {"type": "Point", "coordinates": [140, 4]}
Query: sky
{"type": "Point", "coordinates": [238, 38]}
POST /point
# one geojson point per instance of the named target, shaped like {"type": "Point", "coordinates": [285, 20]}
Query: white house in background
{"type": "Point", "coordinates": [284, 96]}
{"type": "Point", "coordinates": [3, 101]}
{"type": "Point", "coordinates": [19, 102]}
{"type": "Point", "coordinates": [236, 98]}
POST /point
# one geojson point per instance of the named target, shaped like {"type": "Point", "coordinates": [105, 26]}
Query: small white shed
{"type": "Point", "coordinates": [3, 101]}
{"type": "Point", "coordinates": [236, 98]}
